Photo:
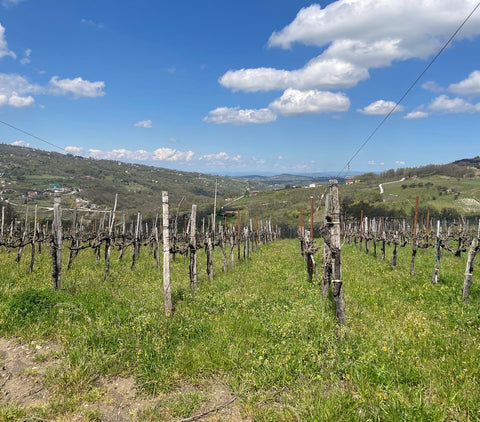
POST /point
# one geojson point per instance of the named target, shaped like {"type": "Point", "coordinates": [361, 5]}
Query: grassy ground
{"type": "Point", "coordinates": [409, 351]}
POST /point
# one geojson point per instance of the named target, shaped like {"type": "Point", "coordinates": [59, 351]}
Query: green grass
{"type": "Point", "coordinates": [409, 351]}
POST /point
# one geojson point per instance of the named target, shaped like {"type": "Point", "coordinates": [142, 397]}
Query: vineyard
{"type": "Point", "coordinates": [247, 334]}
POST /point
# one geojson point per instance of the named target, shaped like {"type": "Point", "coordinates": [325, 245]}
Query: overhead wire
{"type": "Point", "coordinates": [372, 134]}
{"type": "Point", "coordinates": [32, 135]}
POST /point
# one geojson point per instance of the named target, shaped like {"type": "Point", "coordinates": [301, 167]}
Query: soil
{"type": "Point", "coordinates": [22, 382]}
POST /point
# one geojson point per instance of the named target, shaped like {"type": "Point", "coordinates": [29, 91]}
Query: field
{"type": "Point", "coordinates": [260, 335]}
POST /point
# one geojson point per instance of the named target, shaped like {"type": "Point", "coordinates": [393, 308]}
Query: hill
{"type": "Point", "coordinates": [30, 175]}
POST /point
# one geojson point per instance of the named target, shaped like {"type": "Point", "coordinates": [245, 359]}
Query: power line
{"type": "Point", "coordinates": [408, 90]}
{"type": "Point", "coordinates": [33, 136]}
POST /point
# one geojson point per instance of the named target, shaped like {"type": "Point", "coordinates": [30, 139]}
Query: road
{"type": "Point", "coordinates": [387, 183]}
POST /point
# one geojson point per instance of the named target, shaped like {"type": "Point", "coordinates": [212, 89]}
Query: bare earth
{"type": "Point", "coordinates": [22, 376]}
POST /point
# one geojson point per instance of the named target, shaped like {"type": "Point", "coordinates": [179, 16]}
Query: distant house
{"type": "Point", "coordinates": [255, 192]}
{"type": "Point", "coordinates": [314, 185]}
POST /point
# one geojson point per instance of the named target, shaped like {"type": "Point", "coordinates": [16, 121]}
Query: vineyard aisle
{"type": "Point", "coordinates": [259, 341]}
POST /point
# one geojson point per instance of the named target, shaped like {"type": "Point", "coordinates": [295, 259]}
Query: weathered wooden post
{"type": "Point", "coordinates": [3, 221]}
{"type": "Point", "coordinates": [414, 240]}
{"type": "Point", "coordinates": [311, 217]}
{"type": "Point", "coordinates": [327, 254]}
{"type": "Point", "coordinates": [337, 281]}
{"type": "Point", "coordinates": [167, 295]}
{"type": "Point", "coordinates": [193, 247]}
{"type": "Point", "coordinates": [108, 241]}
{"type": "Point", "coordinates": [437, 255]}
{"type": "Point", "coordinates": [238, 234]}
{"type": "Point", "coordinates": [34, 239]}
{"type": "Point", "coordinates": [56, 242]}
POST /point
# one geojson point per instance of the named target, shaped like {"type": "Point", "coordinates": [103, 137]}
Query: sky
{"type": "Point", "coordinates": [242, 87]}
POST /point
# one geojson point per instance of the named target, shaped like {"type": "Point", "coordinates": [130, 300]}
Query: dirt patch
{"type": "Point", "coordinates": [469, 204]}
{"type": "Point", "coordinates": [22, 375]}
{"type": "Point", "coordinates": [23, 367]}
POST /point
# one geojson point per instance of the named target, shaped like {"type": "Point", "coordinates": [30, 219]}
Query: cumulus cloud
{"type": "Point", "coordinates": [375, 163]}
{"type": "Point", "coordinates": [78, 87]}
{"type": "Point", "coordinates": [469, 86]}
{"type": "Point", "coordinates": [71, 149]}
{"type": "Point", "coordinates": [147, 124]}
{"type": "Point", "coordinates": [416, 114]}
{"type": "Point", "coordinates": [20, 143]}
{"type": "Point", "coordinates": [17, 91]}
{"type": "Point", "coordinates": [170, 154]}
{"type": "Point", "coordinates": [237, 116]}
{"type": "Point", "coordinates": [320, 72]}
{"type": "Point", "coordinates": [446, 105]}
{"type": "Point", "coordinates": [358, 35]}
{"type": "Point", "coordinates": [296, 102]}
{"type": "Point", "coordinates": [220, 159]}
{"type": "Point", "coordinates": [16, 100]}
{"type": "Point", "coordinates": [413, 28]}
{"type": "Point", "coordinates": [380, 107]}
{"type": "Point", "coordinates": [4, 51]}
{"type": "Point", "coordinates": [400, 163]}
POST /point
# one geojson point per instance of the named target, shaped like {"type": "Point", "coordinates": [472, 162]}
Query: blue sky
{"type": "Point", "coordinates": [242, 87]}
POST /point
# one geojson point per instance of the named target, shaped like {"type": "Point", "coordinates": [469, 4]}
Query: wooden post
{"type": "Point", "coordinates": [56, 244]}
{"type": "Point", "coordinates": [361, 229]}
{"type": "Point", "coordinates": [34, 239]}
{"type": "Point", "coordinates": [108, 240]}
{"type": "Point", "coordinates": [437, 255]}
{"type": "Point", "coordinates": [238, 233]}
{"type": "Point", "coordinates": [414, 241]}
{"type": "Point", "coordinates": [327, 254]}
{"type": "Point", "coordinates": [337, 281]}
{"type": "Point", "coordinates": [468, 279]}
{"type": "Point", "coordinates": [215, 211]}
{"type": "Point", "coordinates": [311, 218]}
{"type": "Point", "coordinates": [193, 247]}
{"type": "Point", "coordinates": [384, 238]}
{"type": "Point", "coordinates": [3, 221]}
{"type": "Point", "coordinates": [167, 295]}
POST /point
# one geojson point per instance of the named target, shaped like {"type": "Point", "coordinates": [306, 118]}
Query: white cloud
{"type": "Point", "coordinates": [170, 154]}
{"type": "Point", "coordinates": [321, 73]}
{"type": "Point", "coordinates": [374, 163]}
{"type": "Point", "coordinates": [73, 149]}
{"type": "Point", "coordinates": [220, 159]}
{"type": "Point", "coordinates": [380, 107]}
{"type": "Point", "coordinates": [416, 114]}
{"type": "Point", "coordinates": [432, 87]}
{"type": "Point", "coordinates": [446, 105]}
{"type": "Point", "coordinates": [358, 35]}
{"type": "Point", "coordinates": [20, 143]}
{"type": "Point", "coordinates": [89, 22]}
{"type": "Point", "coordinates": [18, 90]}
{"type": "Point", "coordinates": [4, 51]}
{"type": "Point", "coordinates": [400, 163]}
{"type": "Point", "coordinates": [26, 59]}
{"type": "Point", "coordinates": [295, 102]}
{"type": "Point", "coordinates": [236, 116]}
{"type": "Point", "coordinates": [413, 28]}
{"type": "Point", "coordinates": [147, 124]}
{"type": "Point", "coordinates": [16, 100]}
{"type": "Point", "coordinates": [469, 86]}
{"type": "Point", "coordinates": [77, 86]}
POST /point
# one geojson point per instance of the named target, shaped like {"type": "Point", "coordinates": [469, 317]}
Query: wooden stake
{"type": "Point", "coordinates": [193, 247]}
{"type": "Point", "coordinates": [56, 244]}
{"type": "Point", "coordinates": [167, 295]}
